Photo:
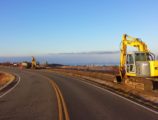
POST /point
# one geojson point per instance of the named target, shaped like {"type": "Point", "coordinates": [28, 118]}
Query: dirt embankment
{"type": "Point", "coordinates": [5, 78]}
{"type": "Point", "coordinates": [106, 79]}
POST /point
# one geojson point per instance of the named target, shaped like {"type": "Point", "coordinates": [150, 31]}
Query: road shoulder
{"type": "Point", "coordinates": [6, 79]}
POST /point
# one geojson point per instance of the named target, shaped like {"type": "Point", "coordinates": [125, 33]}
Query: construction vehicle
{"type": "Point", "coordinates": [33, 63]}
{"type": "Point", "coordinates": [137, 69]}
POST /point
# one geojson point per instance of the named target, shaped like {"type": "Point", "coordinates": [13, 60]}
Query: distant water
{"type": "Point", "coordinates": [71, 59]}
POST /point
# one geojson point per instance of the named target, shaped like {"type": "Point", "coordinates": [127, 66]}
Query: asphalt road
{"type": "Point", "coordinates": [34, 99]}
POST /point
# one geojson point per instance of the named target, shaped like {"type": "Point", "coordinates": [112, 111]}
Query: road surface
{"type": "Point", "coordinates": [35, 99]}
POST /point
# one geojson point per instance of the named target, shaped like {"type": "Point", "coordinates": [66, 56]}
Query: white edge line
{"type": "Point", "coordinates": [121, 97]}
{"type": "Point", "coordinates": [12, 87]}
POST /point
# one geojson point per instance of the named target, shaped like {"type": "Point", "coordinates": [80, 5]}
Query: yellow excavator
{"type": "Point", "coordinates": [138, 69]}
{"type": "Point", "coordinates": [33, 63]}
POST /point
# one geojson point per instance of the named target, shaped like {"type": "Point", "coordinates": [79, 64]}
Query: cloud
{"type": "Point", "coordinates": [91, 52]}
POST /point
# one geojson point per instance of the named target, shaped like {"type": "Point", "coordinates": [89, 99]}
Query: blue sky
{"type": "Point", "coordinates": [34, 27]}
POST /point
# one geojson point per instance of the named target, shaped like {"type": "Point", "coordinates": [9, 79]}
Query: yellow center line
{"type": "Point", "coordinates": [61, 102]}
{"type": "Point", "coordinates": [64, 104]}
{"type": "Point", "coordinates": [60, 116]}
{"type": "Point", "coordinates": [60, 99]}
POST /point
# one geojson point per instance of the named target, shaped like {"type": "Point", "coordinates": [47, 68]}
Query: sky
{"type": "Point", "coordinates": [37, 27]}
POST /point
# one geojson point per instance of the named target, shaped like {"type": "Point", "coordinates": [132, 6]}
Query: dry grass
{"type": "Point", "coordinates": [5, 78]}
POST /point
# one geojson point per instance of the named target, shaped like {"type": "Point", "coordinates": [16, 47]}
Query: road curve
{"type": "Point", "coordinates": [86, 102]}
{"type": "Point", "coordinates": [34, 99]}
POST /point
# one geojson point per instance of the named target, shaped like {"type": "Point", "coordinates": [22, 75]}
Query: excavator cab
{"type": "Point", "coordinates": [141, 64]}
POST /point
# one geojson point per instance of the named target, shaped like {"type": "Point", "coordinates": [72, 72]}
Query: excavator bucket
{"type": "Point", "coordinates": [118, 79]}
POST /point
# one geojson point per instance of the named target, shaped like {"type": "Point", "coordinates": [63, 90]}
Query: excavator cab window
{"type": "Point", "coordinates": [144, 56]}
{"type": "Point", "coordinates": [130, 59]}
{"type": "Point", "coordinates": [140, 57]}
{"type": "Point", "coordinates": [130, 66]}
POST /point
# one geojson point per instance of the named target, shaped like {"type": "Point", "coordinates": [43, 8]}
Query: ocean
{"type": "Point", "coordinates": [70, 59]}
